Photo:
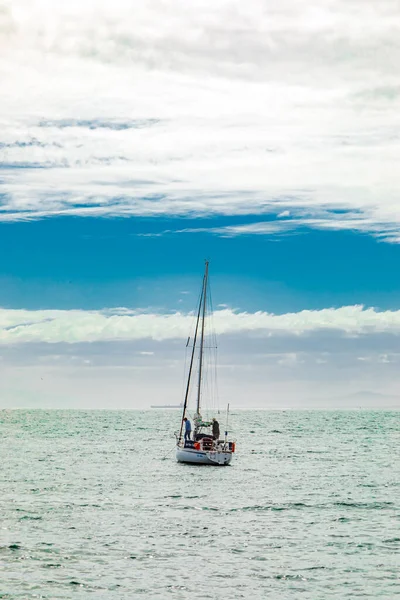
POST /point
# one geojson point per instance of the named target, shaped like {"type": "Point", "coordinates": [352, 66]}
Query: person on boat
{"type": "Point", "coordinates": [188, 428]}
{"type": "Point", "coordinates": [215, 429]}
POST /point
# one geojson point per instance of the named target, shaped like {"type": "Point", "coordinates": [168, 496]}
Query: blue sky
{"type": "Point", "coordinates": [136, 141]}
{"type": "Point", "coordinates": [92, 263]}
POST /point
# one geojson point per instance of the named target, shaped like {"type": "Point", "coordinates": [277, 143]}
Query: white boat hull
{"type": "Point", "coordinates": [203, 457]}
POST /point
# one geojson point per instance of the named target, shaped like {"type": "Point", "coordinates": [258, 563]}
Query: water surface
{"type": "Point", "coordinates": [90, 508]}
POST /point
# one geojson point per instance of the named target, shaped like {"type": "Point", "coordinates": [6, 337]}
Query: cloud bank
{"type": "Point", "coordinates": [77, 326]}
{"type": "Point", "coordinates": [236, 108]}
{"type": "Point", "coordinates": [332, 358]}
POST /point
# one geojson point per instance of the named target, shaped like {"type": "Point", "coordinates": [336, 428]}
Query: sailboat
{"type": "Point", "coordinates": [205, 447]}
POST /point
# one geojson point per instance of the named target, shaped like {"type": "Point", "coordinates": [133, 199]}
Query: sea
{"type": "Point", "coordinates": [94, 505]}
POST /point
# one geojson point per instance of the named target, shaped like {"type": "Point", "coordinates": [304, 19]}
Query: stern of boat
{"type": "Point", "coordinates": [205, 453]}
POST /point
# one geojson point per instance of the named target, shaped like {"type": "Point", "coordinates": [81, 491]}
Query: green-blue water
{"type": "Point", "coordinates": [90, 509]}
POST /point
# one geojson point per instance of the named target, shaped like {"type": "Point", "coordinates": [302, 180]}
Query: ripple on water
{"type": "Point", "coordinates": [309, 515]}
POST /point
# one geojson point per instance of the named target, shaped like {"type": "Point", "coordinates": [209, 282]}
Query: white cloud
{"type": "Point", "coordinates": [271, 361]}
{"type": "Point", "coordinates": [289, 359]}
{"type": "Point", "coordinates": [227, 108]}
{"type": "Point", "coordinates": [77, 326]}
{"type": "Point", "coordinates": [384, 230]}
{"type": "Point", "coordinates": [118, 375]}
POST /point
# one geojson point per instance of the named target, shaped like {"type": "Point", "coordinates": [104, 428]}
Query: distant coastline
{"type": "Point", "coordinates": [166, 406]}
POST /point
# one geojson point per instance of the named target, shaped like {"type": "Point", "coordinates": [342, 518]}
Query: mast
{"type": "Point", "coordinates": [204, 295]}
{"type": "Point", "coordinates": [191, 362]}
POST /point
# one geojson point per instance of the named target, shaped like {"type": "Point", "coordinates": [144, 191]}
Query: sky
{"type": "Point", "coordinates": [139, 139]}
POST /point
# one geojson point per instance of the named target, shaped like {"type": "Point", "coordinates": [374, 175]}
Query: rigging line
{"type": "Point", "coordinates": [215, 373]}
{"type": "Point", "coordinates": [192, 325]}
{"type": "Point", "coordinates": [168, 453]}
{"type": "Point", "coordinates": [202, 336]}
{"type": "Point", "coordinates": [184, 371]}
{"type": "Point", "coordinates": [190, 337]}
{"type": "Point", "coordinates": [208, 354]}
{"type": "Point", "coordinates": [191, 330]}
{"type": "Point", "coordinates": [214, 353]}
{"type": "Point", "coordinates": [191, 363]}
